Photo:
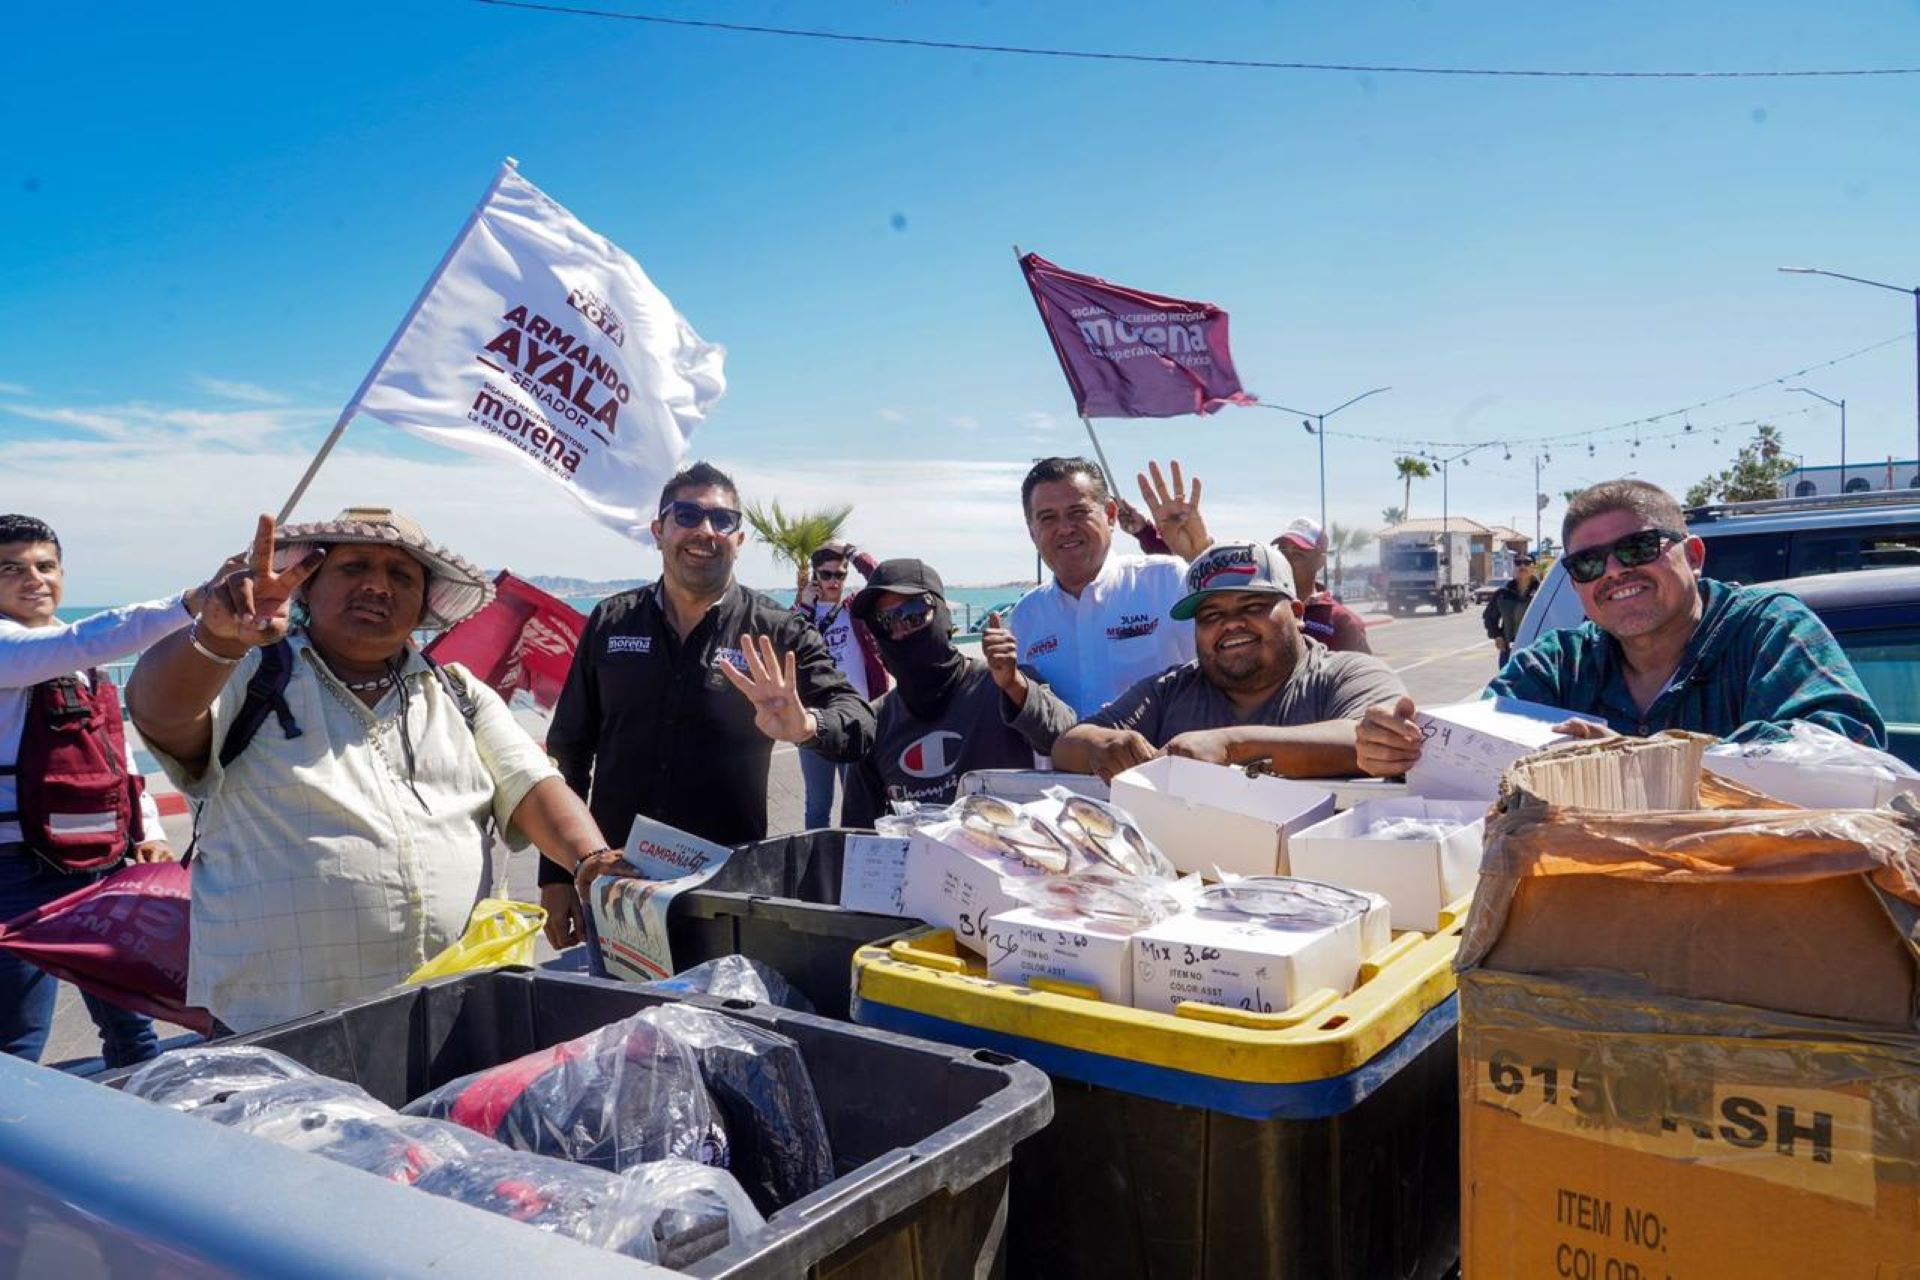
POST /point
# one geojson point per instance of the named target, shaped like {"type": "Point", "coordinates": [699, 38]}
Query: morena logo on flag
{"type": "Point", "coordinates": [929, 757]}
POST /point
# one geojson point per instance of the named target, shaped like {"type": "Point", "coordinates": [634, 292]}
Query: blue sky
{"type": "Point", "coordinates": [211, 217]}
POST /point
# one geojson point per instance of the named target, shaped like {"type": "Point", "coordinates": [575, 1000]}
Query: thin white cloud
{"type": "Point", "coordinates": [893, 416]}
{"type": "Point", "coordinates": [1038, 420]}
{"type": "Point", "coordinates": [13, 389]}
{"type": "Point", "coordinates": [964, 422]}
{"type": "Point", "coordinates": [113, 425]}
{"type": "Point", "coordinates": [139, 428]}
{"type": "Point", "coordinates": [246, 391]}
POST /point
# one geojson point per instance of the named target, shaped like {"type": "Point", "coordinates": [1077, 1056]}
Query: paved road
{"type": "Point", "coordinates": [1441, 659]}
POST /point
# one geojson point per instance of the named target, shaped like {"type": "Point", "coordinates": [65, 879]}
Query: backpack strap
{"type": "Point", "coordinates": [457, 690]}
{"type": "Point", "coordinates": [266, 694]}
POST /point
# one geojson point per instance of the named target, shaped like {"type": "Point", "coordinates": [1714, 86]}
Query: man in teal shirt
{"type": "Point", "coordinates": [1663, 647]}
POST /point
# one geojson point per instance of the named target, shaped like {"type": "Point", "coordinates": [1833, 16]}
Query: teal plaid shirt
{"type": "Point", "coordinates": [1758, 661]}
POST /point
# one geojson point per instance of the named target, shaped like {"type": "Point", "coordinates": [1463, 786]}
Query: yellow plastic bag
{"type": "Point", "coordinates": [499, 932]}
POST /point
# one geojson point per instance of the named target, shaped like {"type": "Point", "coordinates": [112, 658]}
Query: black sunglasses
{"type": "Point", "coordinates": [830, 575]}
{"type": "Point", "coordinates": [1631, 551]}
{"type": "Point", "coordinates": [690, 515]}
{"type": "Point", "coordinates": [904, 619]}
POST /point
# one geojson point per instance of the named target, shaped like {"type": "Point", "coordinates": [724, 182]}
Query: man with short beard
{"type": "Point", "coordinates": [1664, 647]}
{"type": "Point", "coordinates": [1257, 690]}
{"type": "Point", "coordinates": [948, 714]}
{"type": "Point", "coordinates": [646, 723]}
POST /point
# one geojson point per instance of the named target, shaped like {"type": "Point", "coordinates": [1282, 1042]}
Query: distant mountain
{"type": "Point", "coordinates": [578, 586]}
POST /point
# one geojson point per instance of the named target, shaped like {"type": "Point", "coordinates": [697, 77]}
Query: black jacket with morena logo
{"type": "Point", "coordinates": [648, 724]}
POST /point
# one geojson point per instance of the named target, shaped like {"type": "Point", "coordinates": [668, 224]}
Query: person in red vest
{"type": "Point", "coordinates": [58, 717]}
{"type": "Point", "coordinates": [1304, 544]}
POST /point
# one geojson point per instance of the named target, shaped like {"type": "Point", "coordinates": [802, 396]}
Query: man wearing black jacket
{"type": "Point", "coordinates": [647, 724]}
{"type": "Point", "coordinates": [1509, 605]}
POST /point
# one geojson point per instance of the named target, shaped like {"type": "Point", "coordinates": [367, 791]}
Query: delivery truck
{"type": "Point", "coordinates": [1428, 569]}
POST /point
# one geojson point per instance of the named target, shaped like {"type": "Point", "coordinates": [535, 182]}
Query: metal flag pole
{"type": "Point", "coordinates": [508, 166]}
{"type": "Point", "coordinates": [1098, 452]}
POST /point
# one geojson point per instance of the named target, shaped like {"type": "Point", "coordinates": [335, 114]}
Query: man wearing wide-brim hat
{"type": "Point", "coordinates": [346, 843]}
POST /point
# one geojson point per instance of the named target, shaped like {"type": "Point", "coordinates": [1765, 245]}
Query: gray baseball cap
{"type": "Point", "coordinates": [1234, 566]}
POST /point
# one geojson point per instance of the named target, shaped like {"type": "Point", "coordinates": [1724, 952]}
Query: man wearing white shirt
{"type": "Point", "coordinates": [1101, 625]}
{"type": "Point", "coordinates": [36, 648]}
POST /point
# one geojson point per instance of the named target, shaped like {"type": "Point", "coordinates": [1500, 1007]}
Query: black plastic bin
{"type": "Point", "coordinates": [775, 901]}
{"type": "Point", "coordinates": [922, 1134]}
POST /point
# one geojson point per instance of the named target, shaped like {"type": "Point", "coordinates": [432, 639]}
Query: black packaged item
{"type": "Point", "coordinates": [614, 1098]}
{"type": "Point", "coordinates": [552, 1195]}
{"type": "Point", "coordinates": [777, 1133]}
{"type": "Point", "coordinates": [187, 1079]}
{"type": "Point", "coordinates": [398, 1148]}
{"type": "Point", "coordinates": [735, 977]}
{"type": "Point", "coordinates": [675, 1213]}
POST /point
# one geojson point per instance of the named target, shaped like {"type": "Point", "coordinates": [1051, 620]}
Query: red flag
{"type": "Point", "coordinates": [123, 939]}
{"type": "Point", "coordinates": [522, 642]}
{"type": "Point", "coordinates": [1131, 354]}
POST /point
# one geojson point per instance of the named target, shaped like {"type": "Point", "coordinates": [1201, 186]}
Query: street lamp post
{"type": "Point", "coordinates": [1881, 284]}
{"type": "Point", "coordinates": [1318, 427]}
{"type": "Point", "coordinates": [1841, 405]}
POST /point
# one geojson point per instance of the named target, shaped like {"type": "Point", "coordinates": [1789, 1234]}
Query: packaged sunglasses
{"type": "Point", "coordinates": [1284, 902]}
{"type": "Point", "coordinates": [1107, 836]}
{"type": "Point", "coordinates": [1002, 828]}
{"type": "Point", "coordinates": [1098, 895]}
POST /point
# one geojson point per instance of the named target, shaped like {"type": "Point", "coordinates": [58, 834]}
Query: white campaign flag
{"type": "Point", "coordinates": [543, 341]}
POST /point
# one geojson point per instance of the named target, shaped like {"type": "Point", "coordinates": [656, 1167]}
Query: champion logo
{"type": "Point", "coordinates": [629, 644]}
{"type": "Point", "coordinates": [930, 757]}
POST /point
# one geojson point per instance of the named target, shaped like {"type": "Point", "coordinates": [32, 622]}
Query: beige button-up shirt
{"type": "Point", "coordinates": [320, 876]}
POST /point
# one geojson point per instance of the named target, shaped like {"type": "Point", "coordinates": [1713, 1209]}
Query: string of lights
{"type": "Point", "coordinates": [1164, 59]}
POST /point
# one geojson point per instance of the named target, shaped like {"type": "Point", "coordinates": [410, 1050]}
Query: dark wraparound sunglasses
{"type": "Point", "coordinates": [1631, 551]}
{"type": "Point", "coordinates": [830, 575]}
{"type": "Point", "coordinates": [904, 619]}
{"type": "Point", "coordinates": [690, 515]}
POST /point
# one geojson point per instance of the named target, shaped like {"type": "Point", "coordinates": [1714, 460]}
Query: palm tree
{"type": "Point", "coordinates": [1411, 469]}
{"type": "Point", "coordinates": [1392, 515]}
{"type": "Point", "coordinates": [1340, 540]}
{"type": "Point", "coordinates": [794, 538]}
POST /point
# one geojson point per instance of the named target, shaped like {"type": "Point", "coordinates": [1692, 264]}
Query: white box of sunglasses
{"type": "Point", "coordinates": [1417, 877]}
{"type": "Point", "coordinates": [1021, 785]}
{"type": "Point", "coordinates": [1470, 744]}
{"type": "Point", "coordinates": [1207, 816]}
{"type": "Point", "coordinates": [1026, 943]}
{"type": "Point", "coordinates": [955, 883]}
{"type": "Point", "coordinates": [1244, 962]}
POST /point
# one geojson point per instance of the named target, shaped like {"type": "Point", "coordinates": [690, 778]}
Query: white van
{"type": "Point", "coordinates": [1766, 542]}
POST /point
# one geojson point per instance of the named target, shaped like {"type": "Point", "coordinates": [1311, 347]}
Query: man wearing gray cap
{"type": "Point", "coordinates": [1257, 689]}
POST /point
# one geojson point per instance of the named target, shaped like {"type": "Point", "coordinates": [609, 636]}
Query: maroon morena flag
{"type": "Point", "coordinates": [1129, 354]}
{"type": "Point", "coordinates": [522, 643]}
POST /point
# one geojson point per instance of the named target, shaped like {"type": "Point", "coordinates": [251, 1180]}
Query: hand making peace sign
{"type": "Point", "coordinates": [770, 685]}
{"type": "Point", "coordinates": [250, 606]}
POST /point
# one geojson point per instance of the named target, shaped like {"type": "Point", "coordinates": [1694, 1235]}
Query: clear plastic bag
{"type": "Point", "coordinates": [1285, 902]}
{"type": "Point", "coordinates": [906, 817]}
{"type": "Point", "coordinates": [296, 1113]}
{"type": "Point", "coordinates": [675, 1212]}
{"type": "Point", "coordinates": [395, 1147]}
{"type": "Point", "coordinates": [614, 1098]}
{"type": "Point", "coordinates": [1107, 837]}
{"type": "Point", "coordinates": [1099, 895]}
{"type": "Point", "coordinates": [1412, 828]}
{"type": "Point", "coordinates": [567, 1199]}
{"type": "Point", "coordinates": [777, 1133]}
{"type": "Point", "coordinates": [187, 1079]}
{"type": "Point", "coordinates": [1812, 744]}
{"type": "Point", "coordinates": [734, 978]}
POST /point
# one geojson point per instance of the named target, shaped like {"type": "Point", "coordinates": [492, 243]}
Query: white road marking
{"type": "Point", "coordinates": [1440, 657]}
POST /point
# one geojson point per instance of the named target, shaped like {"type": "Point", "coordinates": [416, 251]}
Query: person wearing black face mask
{"type": "Point", "coordinates": [948, 714]}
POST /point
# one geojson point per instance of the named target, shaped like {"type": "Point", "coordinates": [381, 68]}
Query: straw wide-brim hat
{"type": "Point", "coordinates": [456, 588]}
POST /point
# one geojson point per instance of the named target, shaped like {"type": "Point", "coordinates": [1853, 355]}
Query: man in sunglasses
{"type": "Point", "coordinates": [823, 603]}
{"type": "Point", "coordinates": [1504, 612]}
{"type": "Point", "coordinates": [1102, 623]}
{"type": "Point", "coordinates": [948, 714]}
{"type": "Point", "coordinates": [1664, 647]}
{"type": "Point", "coordinates": [1258, 689]}
{"type": "Point", "coordinates": [647, 722]}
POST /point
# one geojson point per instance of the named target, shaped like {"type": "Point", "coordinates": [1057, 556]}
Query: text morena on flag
{"type": "Point", "coordinates": [1132, 354]}
{"type": "Point", "coordinates": [543, 341]}
{"type": "Point", "coordinates": [521, 644]}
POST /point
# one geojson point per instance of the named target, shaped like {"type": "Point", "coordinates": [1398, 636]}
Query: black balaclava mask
{"type": "Point", "coordinates": [925, 665]}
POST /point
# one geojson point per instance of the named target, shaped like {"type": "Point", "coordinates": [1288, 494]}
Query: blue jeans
{"type": "Point", "coordinates": [27, 991]}
{"type": "Point", "coordinates": [819, 774]}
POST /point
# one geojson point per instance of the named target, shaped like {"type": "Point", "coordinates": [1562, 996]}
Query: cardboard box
{"type": "Point", "coordinates": [1026, 943]}
{"type": "Point", "coordinates": [1688, 1046]}
{"type": "Point", "coordinates": [1418, 878]}
{"type": "Point", "coordinates": [1469, 744]}
{"type": "Point", "coordinates": [1208, 816]}
{"type": "Point", "coordinates": [1812, 786]}
{"type": "Point", "coordinates": [1243, 963]}
{"type": "Point", "coordinates": [956, 884]}
{"type": "Point", "coordinates": [1022, 785]}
